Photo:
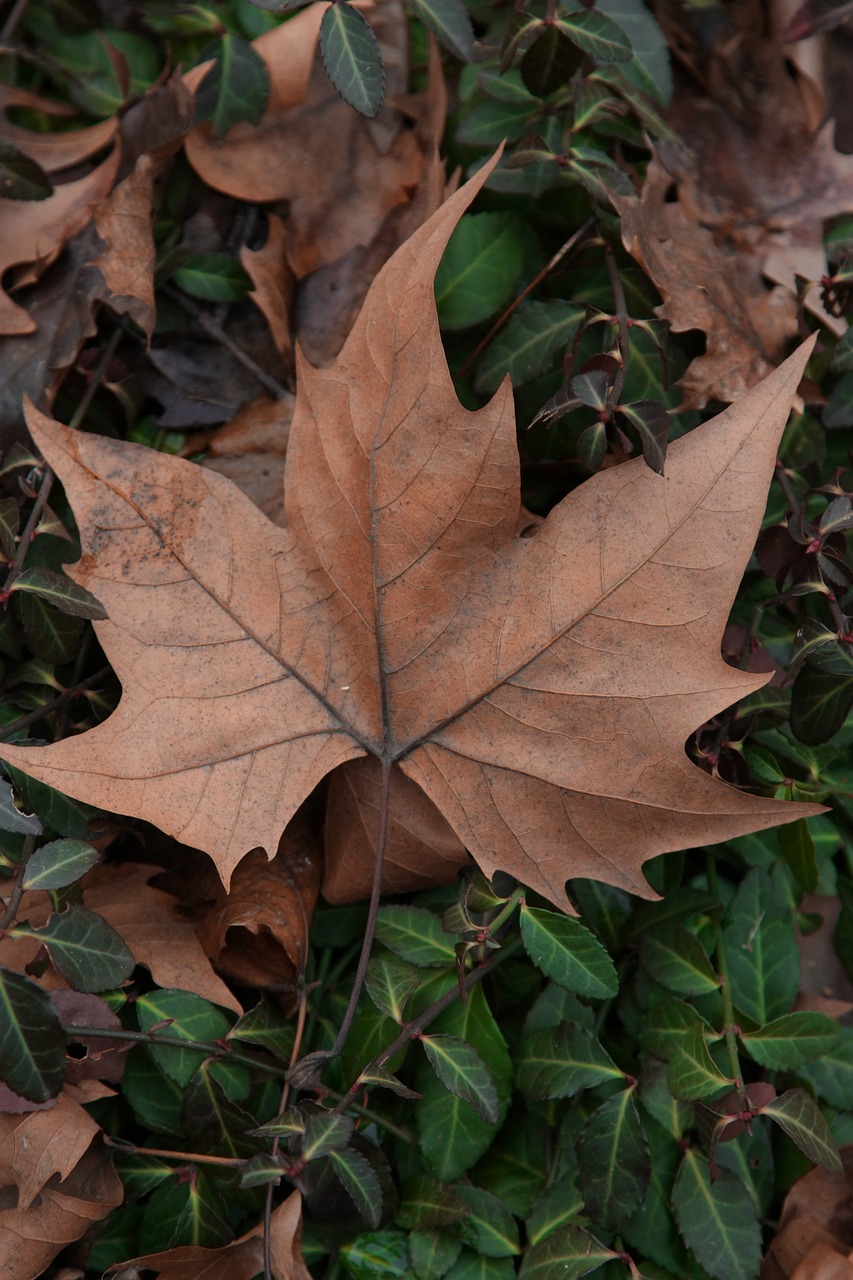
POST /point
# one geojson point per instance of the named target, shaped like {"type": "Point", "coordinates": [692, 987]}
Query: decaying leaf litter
{"type": "Point", "coordinates": [455, 750]}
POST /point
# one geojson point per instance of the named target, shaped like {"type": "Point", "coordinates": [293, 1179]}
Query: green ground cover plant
{"type": "Point", "coordinates": [629, 1091]}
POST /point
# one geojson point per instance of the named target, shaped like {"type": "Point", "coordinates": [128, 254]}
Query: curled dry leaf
{"type": "Point", "coordinates": [272, 278]}
{"type": "Point", "coordinates": [311, 150]}
{"type": "Point", "coordinates": [123, 221]}
{"type": "Point", "coordinates": [58, 1183]}
{"type": "Point", "coordinates": [242, 1260]}
{"type": "Point", "coordinates": [539, 690]}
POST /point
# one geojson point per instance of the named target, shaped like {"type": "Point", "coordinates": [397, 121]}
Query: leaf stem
{"type": "Point", "coordinates": [726, 989]}
{"type": "Point", "coordinates": [186, 1157]}
{"type": "Point", "coordinates": [17, 893]}
{"type": "Point", "coordinates": [305, 1071]}
{"type": "Point", "coordinates": [173, 1042]}
{"type": "Point", "coordinates": [61, 701]}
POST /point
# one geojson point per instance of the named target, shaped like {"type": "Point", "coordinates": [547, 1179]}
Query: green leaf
{"type": "Point", "coordinates": [676, 959]}
{"type": "Point", "coordinates": [52, 636]}
{"type": "Point", "coordinates": [59, 863]}
{"type": "Point", "coordinates": [489, 123]}
{"type": "Point", "coordinates": [549, 62]}
{"type": "Point", "coordinates": [761, 950]}
{"type": "Point", "coordinates": [215, 277]}
{"type": "Point", "coordinates": [352, 58]}
{"type": "Point", "coordinates": [61, 592]}
{"type": "Point", "coordinates": [595, 33]}
{"type": "Point", "coordinates": [798, 850]}
{"type": "Point", "coordinates": [65, 816]}
{"type": "Point", "coordinates": [389, 984]}
{"type": "Point", "coordinates": [692, 1073]}
{"type": "Point", "coordinates": [213, 1122]}
{"type": "Point", "coordinates": [86, 950]}
{"type": "Point", "coordinates": [96, 83]}
{"type": "Point", "coordinates": [650, 1229]}
{"type": "Point", "coordinates": [607, 909]}
{"type": "Point", "coordinates": [565, 951]}
{"type": "Point", "coordinates": [567, 1254]}
{"type": "Point", "coordinates": [717, 1220]}
{"type": "Point", "coordinates": [11, 818]}
{"type": "Point", "coordinates": [449, 22]}
{"type": "Point", "coordinates": [649, 67]}
{"type": "Point", "coordinates": [378, 1076]}
{"type": "Point", "coordinates": [528, 344]}
{"type": "Point", "coordinates": [592, 446]}
{"type": "Point", "coordinates": [376, 1255]}
{"type": "Point", "coordinates": [670, 1114]}
{"type": "Point", "coordinates": [479, 1266]}
{"type": "Point", "coordinates": [489, 1227]}
{"type": "Point", "coordinates": [236, 87]}
{"type": "Point", "coordinates": [267, 1027]}
{"type": "Point", "coordinates": [556, 1207]}
{"type": "Point", "coordinates": [560, 1063]}
{"type": "Point", "coordinates": [415, 935]}
{"type": "Point", "coordinates": [10, 522]}
{"type": "Point", "coordinates": [515, 1167]}
{"type": "Point", "coordinates": [555, 1005]}
{"type": "Point", "coordinates": [21, 177]}
{"type": "Point", "coordinates": [798, 1115]}
{"type": "Point", "coordinates": [325, 1133]}
{"type": "Point", "coordinates": [190, 1212]}
{"type": "Point", "coordinates": [32, 1042]}
{"type": "Point", "coordinates": [820, 703]}
{"type": "Point", "coordinates": [613, 1159]}
{"type": "Point", "coordinates": [260, 1170]}
{"type": "Point", "coordinates": [433, 1253]}
{"type": "Point", "coordinates": [155, 1098]}
{"type": "Point", "coordinates": [188, 1017]}
{"type": "Point", "coordinates": [650, 420]}
{"type": "Point", "coordinates": [452, 1136]}
{"type": "Point", "coordinates": [480, 268]}
{"type": "Point", "coordinates": [426, 1203]}
{"type": "Point", "coordinates": [792, 1040]}
{"type": "Point", "coordinates": [461, 1070]}
{"type": "Point", "coordinates": [360, 1181]}
{"type": "Point", "coordinates": [831, 1074]}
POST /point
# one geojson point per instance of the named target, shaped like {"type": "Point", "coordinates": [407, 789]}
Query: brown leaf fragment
{"type": "Point", "coordinates": [35, 232]}
{"type": "Point", "coordinates": [159, 937]}
{"type": "Point", "coordinates": [273, 280]}
{"type": "Point", "coordinates": [824, 984]}
{"type": "Point", "coordinates": [91, 1057]}
{"type": "Point", "coordinates": [257, 933]}
{"type": "Point", "coordinates": [123, 221]}
{"type": "Point", "coordinates": [51, 1211]}
{"type": "Point", "coordinates": [539, 690]}
{"type": "Point", "coordinates": [53, 151]}
{"type": "Point", "coordinates": [250, 450]}
{"type": "Point", "coordinates": [421, 848]}
{"type": "Point", "coordinates": [242, 1260]}
{"type": "Point", "coordinates": [816, 1221]}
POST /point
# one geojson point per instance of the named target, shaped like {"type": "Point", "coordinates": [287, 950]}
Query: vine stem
{"type": "Point", "coordinates": [18, 889]}
{"type": "Point", "coordinates": [172, 1042]}
{"type": "Point", "coordinates": [303, 1073]}
{"type": "Point", "coordinates": [622, 317]}
{"type": "Point", "coordinates": [186, 1157]}
{"type": "Point", "coordinates": [285, 1094]}
{"type": "Point", "coordinates": [56, 704]}
{"type": "Point", "coordinates": [726, 991]}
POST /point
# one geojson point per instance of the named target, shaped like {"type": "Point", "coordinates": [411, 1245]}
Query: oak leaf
{"type": "Point", "coordinates": [539, 690]}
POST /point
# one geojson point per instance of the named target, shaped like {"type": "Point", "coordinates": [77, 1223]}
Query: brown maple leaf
{"type": "Point", "coordinates": [539, 690]}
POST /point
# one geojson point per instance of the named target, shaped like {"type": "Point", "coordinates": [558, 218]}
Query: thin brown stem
{"type": "Point", "coordinates": [305, 1071]}
{"type": "Point", "coordinates": [56, 704]}
{"type": "Point", "coordinates": [285, 1094]}
{"type": "Point", "coordinates": [185, 1157]}
{"type": "Point", "coordinates": [178, 1042]}
{"type": "Point", "coordinates": [570, 244]}
{"type": "Point", "coordinates": [17, 893]}
{"type": "Point", "coordinates": [96, 378]}
{"type": "Point", "coordinates": [622, 317]}
{"type": "Point", "coordinates": [17, 565]}
{"type": "Point", "coordinates": [10, 25]}
{"type": "Point", "coordinates": [212, 327]}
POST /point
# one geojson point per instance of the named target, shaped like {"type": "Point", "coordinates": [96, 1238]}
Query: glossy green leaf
{"type": "Point", "coordinates": [325, 1133]}
{"type": "Point", "coordinates": [515, 1167]}
{"type": "Point", "coordinates": [360, 1181]}
{"type": "Point", "coordinates": [426, 1203]}
{"type": "Point", "coordinates": [433, 1253]}
{"type": "Point", "coordinates": [95, 83]}
{"type": "Point", "coordinates": [717, 1220]}
{"type": "Point", "coordinates": [692, 1073]}
{"type": "Point", "coordinates": [415, 935]}
{"type": "Point", "coordinates": [154, 1097]}
{"type": "Point", "coordinates": [471, 1265]}
{"type": "Point", "coordinates": [188, 1212]}
{"type": "Point", "coordinates": [650, 420]}
{"type": "Point", "coordinates": [528, 344]}
{"type": "Point", "coordinates": [51, 635]}
{"type": "Point", "coordinates": [761, 950]}
{"type": "Point", "coordinates": [59, 813]}
{"type": "Point", "coordinates": [60, 591]}
{"type": "Point", "coordinates": [449, 22]}
{"type": "Point", "coordinates": [487, 124]}
{"type": "Point", "coordinates": [86, 950]}
{"type": "Point", "coordinates": [452, 1136]}
{"type": "Point", "coordinates": [595, 33]}
{"type": "Point", "coordinates": [556, 1207]}
{"type": "Point", "coordinates": [550, 62]}
{"type": "Point", "coordinates": [592, 446]}
{"type": "Point", "coordinates": [480, 268]}
{"type": "Point", "coordinates": [798, 1115]}
{"type": "Point", "coordinates": [613, 1159]}
{"type": "Point", "coordinates": [820, 704]}
{"type": "Point", "coordinates": [650, 1230]}
{"type": "Point", "coordinates": [383, 1079]}
{"type": "Point", "coordinates": [352, 58]}
{"type": "Point", "coordinates": [792, 1040]}
{"type": "Point", "coordinates": [59, 863]}
{"type": "Point", "coordinates": [261, 1170]}
{"type": "Point", "coordinates": [213, 1122]}
{"type": "Point", "coordinates": [568, 953]}
{"type": "Point", "coordinates": [185, 1016]}
{"type": "Point", "coordinates": [236, 87]}
{"type": "Point", "coordinates": [32, 1042]}
{"type": "Point", "coordinates": [798, 849]}
{"type": "Point", "coordinates": [560, 1062]}
{"type": "Point", "coordinates": [461, 1070]}
{"type": "Point", "coordinates": [389, 984]}
{"type": "Point", "coordinates": [266, 1027]}
{"type": "Point", "coordinates": [676, 959]}
{"type": "Point", "coordinates": [215, 277]}
{"type": "Point", "coordinates": [489, 1227]}
{"type": "Point", "coordinates": [11, 817]}
{"type": "Point", "coordinates": [649, 65]}
{"type": "Point", "coordinates": [568, 1254]}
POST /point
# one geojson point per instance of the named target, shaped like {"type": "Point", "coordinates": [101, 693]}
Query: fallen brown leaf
{"type": "Point", "coordinates": [53, 151]}
{"type": "Point", "coordinates": [123, 221]}
{"type": "Point", "coordinates": [273, 280]}
{"type": "Point", "coordinates": [242, 1260]}
{"type": "Point", "coordinates": [250, 450]}
{"type": "Point", "coordinates": [539, 690]}
{"type": "Point", "coordinates": [816, 1223]}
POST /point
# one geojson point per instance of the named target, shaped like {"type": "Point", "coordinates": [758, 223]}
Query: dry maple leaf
{"type": "Point", "coordinates": [539, 690]}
